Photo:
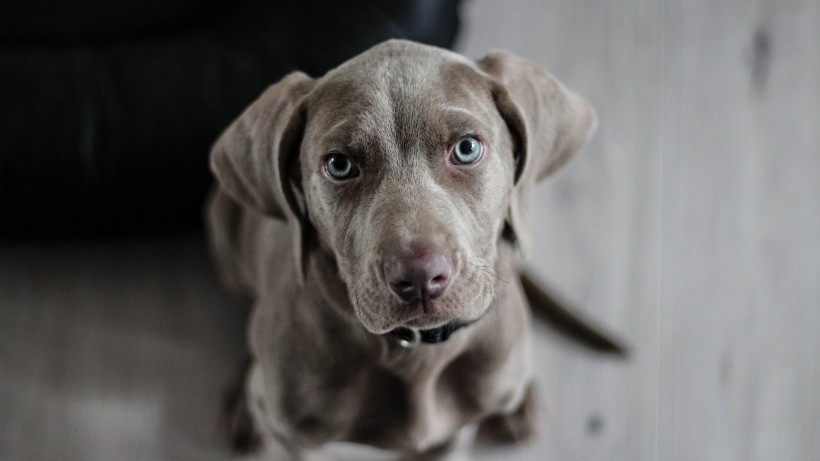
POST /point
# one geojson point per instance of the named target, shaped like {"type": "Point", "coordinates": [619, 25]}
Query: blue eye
{"type": "Point", "coordinates": [467, 150]}
{"type": "Point", "coordinates": [340, 166]}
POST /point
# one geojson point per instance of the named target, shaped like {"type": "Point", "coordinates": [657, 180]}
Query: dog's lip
{"type": "Point", "coordinates": [408, 315]}
{"type": "Point", "coordinates": [413, 316]}
{"type": "Point", "coordinates": [426, 323]}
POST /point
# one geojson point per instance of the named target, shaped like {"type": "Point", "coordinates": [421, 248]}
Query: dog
{"type": "Point", "coordinates": [374, 216]}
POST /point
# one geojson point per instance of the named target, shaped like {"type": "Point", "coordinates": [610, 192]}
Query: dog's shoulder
{"type": "Point", "coordinates": [250, 249]}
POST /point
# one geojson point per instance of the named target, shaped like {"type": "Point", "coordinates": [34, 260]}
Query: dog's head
{"type": "Point", "coordinates": [409, 164]}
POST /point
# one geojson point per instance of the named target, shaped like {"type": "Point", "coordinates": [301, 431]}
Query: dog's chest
{"type": "Point", "coordinates": [415, 407]}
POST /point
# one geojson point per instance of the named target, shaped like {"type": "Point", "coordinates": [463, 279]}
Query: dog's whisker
{"type": "Point", "coordinates": [491, 274]}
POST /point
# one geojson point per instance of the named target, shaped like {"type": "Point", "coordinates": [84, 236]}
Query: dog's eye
{"type": "Point", "coordinates": [467, 150]}
{"type": "Point", "coordinates": [339, 166]}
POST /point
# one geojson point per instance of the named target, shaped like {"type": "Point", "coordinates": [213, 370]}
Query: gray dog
{"type": "Point", "coordinates": [373, 214]}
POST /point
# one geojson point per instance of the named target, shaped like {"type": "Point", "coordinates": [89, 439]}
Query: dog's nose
{"type": "Point", "coordinates": [419, 274]}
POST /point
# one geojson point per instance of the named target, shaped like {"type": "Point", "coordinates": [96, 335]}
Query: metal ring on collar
{"type": "Point", "coordinates": [408, 337]}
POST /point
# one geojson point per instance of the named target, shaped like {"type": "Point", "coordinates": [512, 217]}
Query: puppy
{"type": "Point", "coordinates": [373, 215]}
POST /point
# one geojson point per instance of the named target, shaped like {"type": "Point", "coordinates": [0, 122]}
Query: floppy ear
{"type": "Point", "coordinates": [254, 157]}
{"type": "Point", "coordinates": [549, 124]}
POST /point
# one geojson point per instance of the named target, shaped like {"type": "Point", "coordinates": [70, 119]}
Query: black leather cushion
{"type": "Point", "coordinates": [107, 113]}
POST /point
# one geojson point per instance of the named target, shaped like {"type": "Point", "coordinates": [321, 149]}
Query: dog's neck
{"type": "Point", "coordinates": [409, 337]}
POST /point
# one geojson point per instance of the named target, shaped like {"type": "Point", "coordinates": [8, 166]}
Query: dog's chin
{"type": "Point", "coordinates": [430, 321]}
{"type": "Point", "coordinates": [416, 315]}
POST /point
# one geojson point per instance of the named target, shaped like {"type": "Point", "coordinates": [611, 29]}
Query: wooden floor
{"type": "Point", "coordinates": [691, 225]}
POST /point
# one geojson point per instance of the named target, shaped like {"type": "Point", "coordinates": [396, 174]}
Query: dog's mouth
{"type": "Point", "coordinates": [423, 315]}
{"type": "Point", "coordinates": [429, 329]}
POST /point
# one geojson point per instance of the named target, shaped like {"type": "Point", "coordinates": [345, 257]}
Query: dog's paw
{"type": "Point", "coordinates": [518, 426]}
{"type": "Point", "coordinates": [236, 418]}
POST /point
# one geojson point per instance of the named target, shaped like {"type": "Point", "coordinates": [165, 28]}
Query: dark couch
{"type": "Point", "coordinates": [108, 109]}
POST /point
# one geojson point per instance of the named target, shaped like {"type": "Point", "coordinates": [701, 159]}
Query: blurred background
{"type": "Point", "coordinates": [690, 225]}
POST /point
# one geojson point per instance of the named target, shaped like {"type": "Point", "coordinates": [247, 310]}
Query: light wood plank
{"type": "Point", "coordinates": [740, 273]}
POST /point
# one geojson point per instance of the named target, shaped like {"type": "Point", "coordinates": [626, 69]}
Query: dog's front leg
{"type": "Point", "coordinates": [457, 448]}
{"type": "Point", "coordinates": [275, 446]}
{"type": "Point", "coordinates": [520, 425]}
{"type": "Point", "coordinates": [279, 449]}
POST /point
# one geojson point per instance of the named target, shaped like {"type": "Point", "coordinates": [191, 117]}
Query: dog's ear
{"type": "Point", "coordinates": [256, 159]}
{"type": "Point", "coordinates": [251, 159]}
{"type": "Point", "coordinates": [549, 124]}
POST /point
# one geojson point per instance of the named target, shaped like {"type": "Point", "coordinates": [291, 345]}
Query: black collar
{"type": "Point", "coordinates": [409, 337]}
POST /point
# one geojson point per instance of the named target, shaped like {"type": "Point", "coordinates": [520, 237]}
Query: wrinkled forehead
{"type": "Point", "coordinates": [405, 98]}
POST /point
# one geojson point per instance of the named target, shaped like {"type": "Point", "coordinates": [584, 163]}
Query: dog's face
{"type": "Point", "coordinates": [407, 176]}
{"type": "Point", "coordinates": [408, 162]}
